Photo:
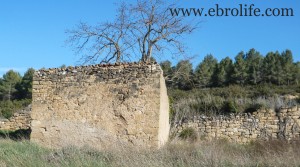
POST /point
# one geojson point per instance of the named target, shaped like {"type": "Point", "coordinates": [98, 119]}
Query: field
{"type": "Point", "coordinates": [179, 153]}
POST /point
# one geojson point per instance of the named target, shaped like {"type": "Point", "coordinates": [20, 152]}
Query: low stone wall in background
{"type": "Point", "coordinates": [243, 128]}
{"type": "Point", "coordinates": [20, 120]}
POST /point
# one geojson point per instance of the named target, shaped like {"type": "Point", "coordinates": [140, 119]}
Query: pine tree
{"type": "Point", "coordinates": [240, 69]}
{"type": "Point", "coordinates": [25, 86]}
{"type": "Point", "coordinates": [287, 66]}
{"type": "Point", "coordinates": [268, 68]}
{"type": "Point", "coordinates": [8, 83]}
{"type": "Point", "coordinates": [279, 69]}
{"type": "Point", "coordinates": [296, 73]}
{"type": "Point", "coordinates": [183, 75]}
{"type": "Point", "coordinates": [205, 70]}
{"type": "Point", "coordinates": [223, 72]}
{"type": "Point", "coordinates": [272, 69]}
{"type": "Point", "coordinates": [254, 62]}
{"type": "Point", "coordinates": [166, 66]}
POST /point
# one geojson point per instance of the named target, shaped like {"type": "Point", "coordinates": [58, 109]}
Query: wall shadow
{"type": "Point", "coordinates": [18, 135]}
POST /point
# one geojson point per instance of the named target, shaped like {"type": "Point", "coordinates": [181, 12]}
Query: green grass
{"type": "Point", "coordinates": [26, 154]}
{"type": "Point", "coordinates": [175, 154]}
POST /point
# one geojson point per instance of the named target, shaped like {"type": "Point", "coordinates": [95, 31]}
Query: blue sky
{"type": "Point", "coordinates": [32, 32]}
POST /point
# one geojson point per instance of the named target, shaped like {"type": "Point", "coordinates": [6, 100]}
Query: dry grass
{"type": "Point", "coordinates": [217, 153]}
{"type": "Point", "coordinates": [215, 106]}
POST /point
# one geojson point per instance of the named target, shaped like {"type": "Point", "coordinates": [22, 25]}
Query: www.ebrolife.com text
{"type": "Point", "coordinates": [240, 10]}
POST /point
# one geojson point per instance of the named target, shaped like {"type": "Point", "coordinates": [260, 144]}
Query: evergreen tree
{"type": "Point", "coordinates": [166, 66]}
{"type": "Point", "coordinates": [240, 74]}
{"type": "Point", "coordinates": [287, 66]}
{"type": "Point", "coordinates": [254, 62]}
{"type": "Point", "coordinates": [223, 72]}
{"type": "Point", "coordinates": [296, 73]}
{"type": "Point", "coordinates": [25, 86]}
{"type": "Point", "coordinates": [183, 75]}
{"type": "Point", "coordinates": [272, 68]}
{"type": "Point", "coordinates": [268, 68]}
{"type": "Point", "coordinates": [8, 83]}
{"type": "Point", "coordinates": [205, 70]}
{"type": "Point", "coordinates": [279, 69]}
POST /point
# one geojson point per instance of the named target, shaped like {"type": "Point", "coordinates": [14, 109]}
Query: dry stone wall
{"type": "Point", "coordinates": [20, 120]}
{"type": "Point", "coordinates": [243, 128]}
{"type": "Point", "coordinates": [102, 106]}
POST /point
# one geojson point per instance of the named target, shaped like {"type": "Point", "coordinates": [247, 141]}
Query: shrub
{"type": "Point", "coordinates": [253, 107]}
{"type": "Point", "coordinates": [172, 111]}
{"type": "Point", "coordinates": [188, 134]}
{"type": "Point", "coordinates": [264, 90]}
{"type": "Point", "coordinates": [8, 108]}
{"type": "Point", "coordinates": [236, 91]}
{"type": "Point", "coordinates": [232, 99]}
{"type": "Point", "coordinates": [230, 107]}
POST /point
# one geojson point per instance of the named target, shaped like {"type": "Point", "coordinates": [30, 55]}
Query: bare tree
{"type": "Point", "coordinates": [143, 28]}
{"type": "Point", "coordinates": [106, 41]}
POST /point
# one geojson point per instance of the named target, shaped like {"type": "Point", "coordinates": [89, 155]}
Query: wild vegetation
{"type": "Point", "coordinates": [243, 85]}
{"type": "Point", "coordinates": [15, 92]}
{"type": "Point", "coordinates": [249, 83]}
{"type": "Point", "coordinates": [249, 68]}
{"type": "Point", "coordinates": [232, 99]}
{"type": "Point", "coordinates": [217, 153]}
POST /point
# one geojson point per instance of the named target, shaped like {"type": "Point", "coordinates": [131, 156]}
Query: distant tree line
{"type": "Point", "coordinates": [15, 91]}
{"type": "Point", "coordinates": [249, 68]}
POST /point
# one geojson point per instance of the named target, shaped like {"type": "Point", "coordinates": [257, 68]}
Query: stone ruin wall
{"type": "Point", "coordinates": [108, 105]}
{"type": "Point", "coordinates": [19, 120]}
{"type": "Point", "coordinates": [243, 128]}
{"type": "Point", "coordinates": [101, 106]}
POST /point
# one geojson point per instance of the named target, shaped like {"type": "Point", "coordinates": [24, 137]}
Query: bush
{"type": "Point", "coordinates": [235, 91]}
{"type": "Point", "coordinates": [264, 90]}
{"type": "Point", "coordinates": [8, 108]}
{"type": "Point", "coordinates": [253, 107]}
{"type": "Point", "coordinates": [177, 94]}
{"type": "Point", "coordinates": [230, 107]}
{"type": "Point", "coordinates": [188, 134]}
{"type": "Point", "coordinates": [232, 99]}
{"type": "Point", "coordinates": [171, 111]}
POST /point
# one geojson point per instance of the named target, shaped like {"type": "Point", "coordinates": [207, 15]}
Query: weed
{"type": "Point", "coordinates": [188, 134]}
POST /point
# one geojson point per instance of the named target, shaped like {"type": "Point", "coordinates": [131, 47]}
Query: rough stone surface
{"type": "Point", "coordinates": [243, 128]}
{"type": "Point", "coordinates": [20, 120]}
{"type": "Point", "coordinates": [101, 106]}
